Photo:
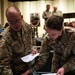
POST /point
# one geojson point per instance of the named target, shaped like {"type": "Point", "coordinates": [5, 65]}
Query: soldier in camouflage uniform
{"type": "Point", "coordinates": [15, 42]}
{"type": "Point", "coordinates": [63, 43]}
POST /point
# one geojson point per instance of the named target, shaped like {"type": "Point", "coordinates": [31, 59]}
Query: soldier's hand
{"type": "Point", "coordinates": [34, 50]}
{"type": "Point", "coordinates": [60, 71]}
{"type": "Point", "coordinates": [26, 73]}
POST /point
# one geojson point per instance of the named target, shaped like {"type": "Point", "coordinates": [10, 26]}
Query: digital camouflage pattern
{"type": "Point", "coordinates": [64, 51]}
{"type": "Point", "coordinates": [14, 45]}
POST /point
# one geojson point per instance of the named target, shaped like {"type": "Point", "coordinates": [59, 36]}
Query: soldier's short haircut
{"type": "Point", "coordinates": [47, 5]}
{"type": "Point", "coordinates": [55, 22]}
{"type": "Point", "coordinates": [16, 8]}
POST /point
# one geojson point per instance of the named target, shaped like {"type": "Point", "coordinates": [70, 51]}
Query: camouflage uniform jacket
{"type": "Point", "coordinates": [13, 46]}
{"type": "Point", "coordinates": [64, 52]}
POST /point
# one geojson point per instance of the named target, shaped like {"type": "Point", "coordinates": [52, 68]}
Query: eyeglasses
{"type": "Point", "coordinates": [14, 22]}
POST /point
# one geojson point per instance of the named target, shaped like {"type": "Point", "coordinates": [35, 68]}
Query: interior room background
{"type": "Point", "coordinates": [28, 7]}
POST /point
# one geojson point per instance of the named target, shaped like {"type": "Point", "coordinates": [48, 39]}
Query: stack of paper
{"type": "Point", "coordinates": [49, 74]}
{"type": "Point", "coordinates": [29, 57]}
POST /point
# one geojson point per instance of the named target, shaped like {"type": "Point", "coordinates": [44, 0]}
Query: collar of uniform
{"type": "Point", "coordinates": [64, 37]}
{"type": "Point", "coordinates": [15, 32]}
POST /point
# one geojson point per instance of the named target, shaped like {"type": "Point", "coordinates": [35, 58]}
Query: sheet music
{"type": "Point", "coordinates": [29, 57]}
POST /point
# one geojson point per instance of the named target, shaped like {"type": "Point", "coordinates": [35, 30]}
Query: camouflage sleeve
{"type": "Point", "coordinates": [70, 64]}
{"type": "Point", "coordinates": [28, 37]}
{"type": "Point", "coordinates": [41, 60]}
{"type": "Point", "coordinates": [29, 40]}
{"type": "Point", "coordinates": [4, 59]}
{"type": "Point", "coordinates": [55, 61]}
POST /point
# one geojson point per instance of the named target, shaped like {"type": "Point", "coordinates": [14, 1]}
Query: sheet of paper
{"type": "Point", "coordinates": [29, 57]}
{"type": "Point", "coordinates": [49, 74]}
